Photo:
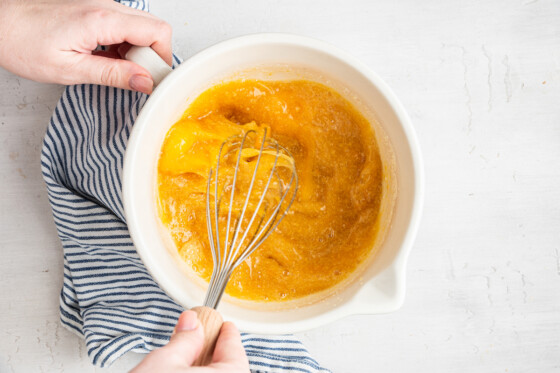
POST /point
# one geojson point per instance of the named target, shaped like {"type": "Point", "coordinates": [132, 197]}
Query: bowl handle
{"type": "Point", "coordinates": [150, 60]}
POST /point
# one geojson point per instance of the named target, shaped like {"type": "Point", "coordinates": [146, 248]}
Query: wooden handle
{"type": "Point", "coordinates": [211, 321]}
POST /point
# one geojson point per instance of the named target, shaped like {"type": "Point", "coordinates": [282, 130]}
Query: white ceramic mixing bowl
{"type": "Point", "coordinates": [381, 286]}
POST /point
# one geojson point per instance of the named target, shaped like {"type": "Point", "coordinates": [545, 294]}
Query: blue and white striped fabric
{"type": "Point", "coordinates": [108, 296]}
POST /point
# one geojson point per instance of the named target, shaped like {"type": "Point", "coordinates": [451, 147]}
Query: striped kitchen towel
{"type": "Point", "coordinates": [108, 296]}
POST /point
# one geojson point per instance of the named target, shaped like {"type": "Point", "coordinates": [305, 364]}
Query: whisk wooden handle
{"type": "Point", "coordinates": [211, 321]}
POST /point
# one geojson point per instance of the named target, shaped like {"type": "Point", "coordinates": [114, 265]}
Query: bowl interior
{"type": "Point", "coordinates": [380, 287]}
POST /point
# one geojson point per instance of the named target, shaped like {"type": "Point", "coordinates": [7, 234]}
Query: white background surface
{"type": "Point", "coordinates": [481, 81]}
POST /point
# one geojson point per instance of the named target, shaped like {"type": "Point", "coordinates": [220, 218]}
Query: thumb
{"type": "Point", "coordinates": [187, 339]}
{"type": "Point", "coordinates": [115, 73]}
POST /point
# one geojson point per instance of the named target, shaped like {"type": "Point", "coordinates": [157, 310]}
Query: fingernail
{"type": "Point", "coordinates": [141, 83]}
{"type": "Point", "coordinates": [187, 321]}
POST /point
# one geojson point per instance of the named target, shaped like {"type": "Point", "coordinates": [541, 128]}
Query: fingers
{"type": "Point", "coordinates": [96, 69]}
{"type": "Point", "coordinates": [116, 26]}
{"type": "Point", "coordinates": [229, 349]}
{"type": "Point", "coordinates": [183, 348]}
{"type": "Point", "coordinates": [129, 77]}
{"type": "Point", "coordinates": [127, 9]}
{"type": "Point", "coordinates": [186, 344]}
{"type": "Point", "coordinates": [153, 33]}
{"type": "Point", "coordinates": [187, 339]}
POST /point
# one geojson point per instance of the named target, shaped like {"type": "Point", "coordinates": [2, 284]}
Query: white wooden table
{"type": "Point", "coordinates": [481, 81]}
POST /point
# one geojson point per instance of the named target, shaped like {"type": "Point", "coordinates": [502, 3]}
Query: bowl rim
{"type": "Point", "coordinates": [400, 261]}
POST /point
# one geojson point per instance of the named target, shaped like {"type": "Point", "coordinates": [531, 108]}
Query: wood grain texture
{"type": "Point", "coordinates": [481, 82]}
{"type": "Point", "coordinates": [211, 321]}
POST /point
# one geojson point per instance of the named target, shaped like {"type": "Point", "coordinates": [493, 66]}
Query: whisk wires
{"type": "Point", "coordinates": [247, 229]}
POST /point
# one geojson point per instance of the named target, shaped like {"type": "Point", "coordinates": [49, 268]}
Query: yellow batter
{"type": "Point", "coordinates": [331, 226]}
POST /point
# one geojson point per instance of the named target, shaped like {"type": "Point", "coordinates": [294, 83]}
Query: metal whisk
{"type": "Point", "coordinates": [268, 193]}
{"type": "Point", "coordinates": [243, 211]}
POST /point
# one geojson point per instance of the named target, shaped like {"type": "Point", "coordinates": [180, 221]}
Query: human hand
{"type": "Point", "coordinates": [52, 41]}
{"type": "Point", "coordinates": [186, 344]}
